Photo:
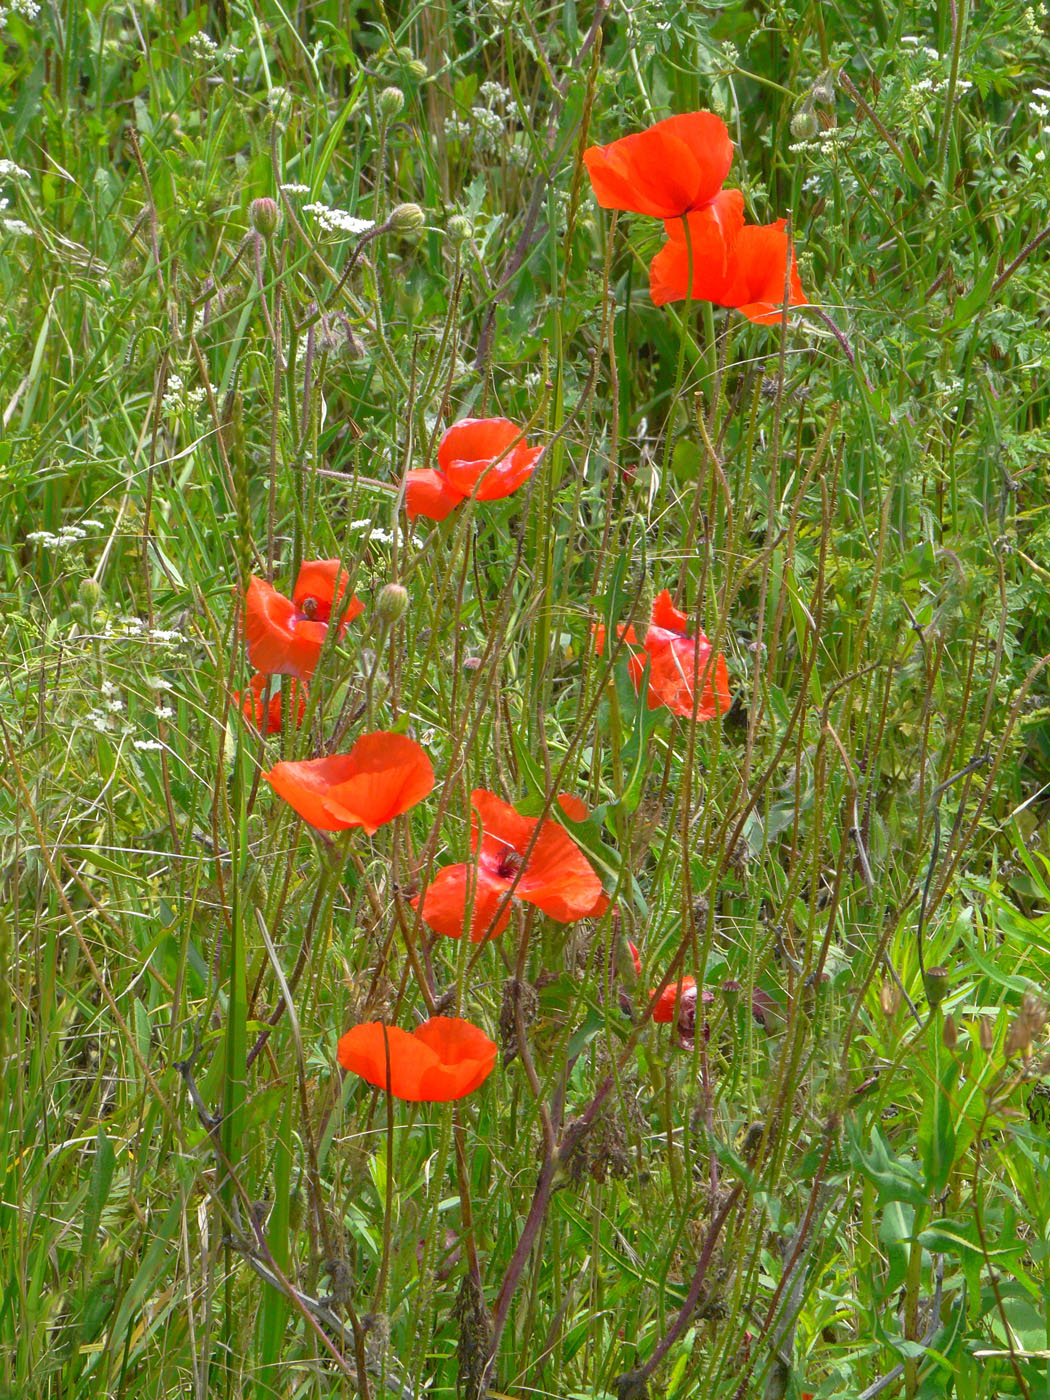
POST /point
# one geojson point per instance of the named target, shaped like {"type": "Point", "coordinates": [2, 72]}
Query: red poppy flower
{"type": "Point", "coordinates": [576, 810]}
{"type": "Point", "coordinates": [743, 269]}
{"type": "Point", "coordinates": [285, 635]}
{"type": "Point", "coordinates": [675, 167]}
{"type": "Point", "coordinates": [443, 1059]}
{"type": "Point", "coordinates": [267, 717]}
{"type": "Point", "coordinates": [676, 662]}
{"type": "Point", "coordinates": [382, 776]}
{"type": "Point", "coordinates": [473, 460]}
{"type": "Point", "coordinates": [557, 877]}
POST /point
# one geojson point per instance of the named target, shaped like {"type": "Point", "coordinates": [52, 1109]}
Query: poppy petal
{"type": "Point", "coordinates": [558, 878]}
{"type": "Point", "coordinates": [676, 166]}
{"type": "Point", "coordinates": [464, 1057]}
{"type": "Point", "coordinates": [475, 440]}
{"type": "Point", "coordinates": [669, 269]}
{"type": "Point", "coordinates": [268, 629]}
{"type": "Point", "coordinates": [502, 828]}
{"type": "Point", "coordinates": [324, 582]}
{"type": "Point", "coordinates": [382, 776]}
{"type": "Point", "coordinates": [443, 1059]}
{"type": "Point", "coordinates": [665, 614]}
{"type": "Point", "coordinates": [677, 994]}
{"type": "Point", "coordinates": [386, 1057]}
{"type": "Point", "coordinates": [443, 904]}
{"type": "Point", "coordinates": [430, 494]}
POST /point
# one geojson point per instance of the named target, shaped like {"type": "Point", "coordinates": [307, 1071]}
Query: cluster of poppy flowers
{"type": "Point", "coordinates": [674, 171]}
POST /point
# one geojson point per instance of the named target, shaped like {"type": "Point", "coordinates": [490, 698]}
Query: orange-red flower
{"type": "Point", "coordinates": [444, 1058]}
{"type": "Point", "coordinates": [675, 167]}
{"type": "Point", "coordinates": [285, 635]}
{"type": "Point", "coordinates": [557, 877]}
{"type": "Point", "coordinates": [382, 776]}
{"type": "Point", "coordinates": [740, 265]}
{"type": "Point", "coordinates": [677, 662]}
{"type": "Point", "coordinates": [267, 716]}
{"type": "Point", "coordinates": [678, 994]}
{"type": "Point", "coordinates": [475, 458]}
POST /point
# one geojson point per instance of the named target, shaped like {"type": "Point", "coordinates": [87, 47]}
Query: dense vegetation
{"type": "Point", "coordinates": [255, 260]}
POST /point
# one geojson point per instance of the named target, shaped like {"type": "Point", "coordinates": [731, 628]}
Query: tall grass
{"type": "Point", "coordinates": [833, 1182]}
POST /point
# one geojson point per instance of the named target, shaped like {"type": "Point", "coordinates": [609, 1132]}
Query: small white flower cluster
{"type": "Point", "coordinates": [10, 171]}
{"type": "Point", "coordinates": [338, 220]}
{"type": "Point", "coordinates": [67, 536]}
{"type": "Point", "coordinates": [159, 683]}
{"type": "Point", "coordinates": [17, 228]}
{"type": "Point", "coordinates": [127, 628]}
{"type": "Point", "coordinates": [147, 745]}
{"type": "Point", "coordinates": [25, 9]}
{"type": "Point", "coordinates": [204, 48]}
{"type": "Point", "coordinates": [177, 396]}
{"type": "Point", "coordinates": [494, 94]}
{"type": "Point", "coordinates": [295, 189]}
{"type": "Point", "coordinates": [825, 141]}
{"type": "Point", "coordinates": [164, 712]}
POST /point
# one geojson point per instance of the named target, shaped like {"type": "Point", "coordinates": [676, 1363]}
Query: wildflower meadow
{"type": "Point", "coordinates": [525, 715]}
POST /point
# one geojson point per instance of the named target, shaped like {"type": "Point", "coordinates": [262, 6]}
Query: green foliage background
{"type": "Point", "coordinates": [846, 1196]}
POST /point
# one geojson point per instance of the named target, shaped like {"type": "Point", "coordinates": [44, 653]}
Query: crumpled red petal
{"type": "Point", "coordinates": [383, 775]}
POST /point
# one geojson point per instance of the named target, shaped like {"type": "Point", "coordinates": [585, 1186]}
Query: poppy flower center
{"type": "Point", "coordinates": [509, 865]}
{"type": "Point", "coordinates": [309, 608]}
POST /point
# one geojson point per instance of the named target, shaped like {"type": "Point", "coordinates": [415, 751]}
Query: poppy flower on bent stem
{"type": "Point", "coordinates": [266, 715]}
{"type": "Point", "coordinates": [675, 167]}
{"type": "Point", "coordinates": [285, 635]}
{"type": "Point", "coordinates": [443, 1059]}
{"type": "Point", "coordinates": [475, 458]}
{"type": "Point", "coordinates": [742, 267]}
{"type": "Point", "coordinates": [677, 662]}
{"type": "Point", "coordinates": [556, 877]}
{"type": "Point", "coordinates": [382, 776]}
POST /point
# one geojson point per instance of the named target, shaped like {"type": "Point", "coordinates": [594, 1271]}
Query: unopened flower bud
{"type": "Point", "coordinates": [458, 228]}
{"type": "Point", "coordinates": [889, 1000]}
{"type": "Point", "coordinates": [406, 218]}
{"type": "Point", "coordinates": [392, 603]}
{"type": "Point", "coordinates": [390, 101]}
{"type": "Point", "coordinates": [804, 125]}
{"type": "Point", "coordinates": [264, 214]}
{"type": "Point", "coordinates": [986, 1034]}
{"type": "Point", "coordinates": [418, 69]}
{"type": "Point", "coordinates": [936, 983]}
{"type": "Point", "coordinates": [949, 1032]}
{"type": "Point", "coordinates": [824, 88]}
{"type": "Point", "coordinates": [89, 593]}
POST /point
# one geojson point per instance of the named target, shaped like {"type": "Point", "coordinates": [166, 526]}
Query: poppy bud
{"type": "Point", "coordinates": [89, 593]}
{"type": "Point", "coordinates": [824, 88]}
{"type": "Point", "coordinates": [804, 125]}
{"type": "Point", "coordinates": [936, 985]}
{"type": "Point", "coordinates": [392, 603]}
{"type": "Point", "coordinates": [458, 229]}
{"type": "Point", "coordinates": [390, 101]}
{"type": "Point", "coordinates": [949, 1032]}
{"type": "Point", "coordinates": [263, 214]}
{"type": "Point", "coordinates": [406, 218]}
